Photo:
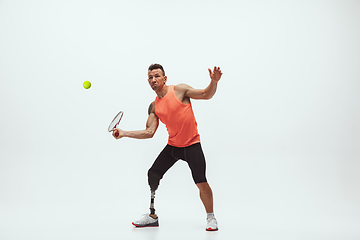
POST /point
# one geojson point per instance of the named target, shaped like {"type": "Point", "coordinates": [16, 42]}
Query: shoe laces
{"type": "Point", "coordinates": [211, 219]}
{"type": "Point", "coordinates": [146, 218]}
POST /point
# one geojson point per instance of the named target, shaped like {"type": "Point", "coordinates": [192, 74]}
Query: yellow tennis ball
{"type": "Point", "coordinates": [87, 84]}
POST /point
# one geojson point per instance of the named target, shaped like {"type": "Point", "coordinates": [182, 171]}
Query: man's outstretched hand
{"type": "Point", "coordinates": [216, 74]}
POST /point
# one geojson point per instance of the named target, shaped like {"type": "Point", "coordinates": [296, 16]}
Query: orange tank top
{"type": "Point", "coordinates": [179, 119]}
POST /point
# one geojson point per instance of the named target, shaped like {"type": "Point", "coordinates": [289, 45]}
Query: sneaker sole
{"type": "Point", "coordinates": [155, 225]}
{"type": "Point", "coordinates": [212, 230]}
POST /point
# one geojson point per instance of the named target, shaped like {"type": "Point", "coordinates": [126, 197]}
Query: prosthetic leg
{"type": "Point", "coordinates": [150, 220]}
{"type": "Point", "coordinates": [154, 181]}
{"type": "Point", "coordinates": [152, 209]}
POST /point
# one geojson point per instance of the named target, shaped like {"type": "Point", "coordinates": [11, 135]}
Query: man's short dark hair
{"type": "Point", "coordinates": [157, 66]}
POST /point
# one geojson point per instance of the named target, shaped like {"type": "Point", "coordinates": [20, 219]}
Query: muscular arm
{"type": "Point", "coordinates": [206, 93]}
{"type": "Point", "coordinates": [152, 124]}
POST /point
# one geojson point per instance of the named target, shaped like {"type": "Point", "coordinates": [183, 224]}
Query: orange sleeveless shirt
{"type": "Point", "coordinates": [179, 119]}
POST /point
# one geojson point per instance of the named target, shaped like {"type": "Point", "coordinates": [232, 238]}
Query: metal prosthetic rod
{"type": "Point", "coordinates": [154, 180]}
{"type": "Point", "coordinates": [152, 209]}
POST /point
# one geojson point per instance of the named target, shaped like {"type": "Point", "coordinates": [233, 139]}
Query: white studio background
{"type": "Point", "coordinates": [281, 135]}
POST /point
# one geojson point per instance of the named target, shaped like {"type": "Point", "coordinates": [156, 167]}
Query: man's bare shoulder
{"type": "Point", "coordinates": [182, 87]}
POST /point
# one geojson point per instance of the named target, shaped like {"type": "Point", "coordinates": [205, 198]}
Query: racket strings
{"type": "Point", "coordinates": [115, 121]}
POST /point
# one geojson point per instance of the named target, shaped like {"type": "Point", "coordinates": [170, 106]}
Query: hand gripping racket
{"type": "Point", "coordinates": [115, 122]}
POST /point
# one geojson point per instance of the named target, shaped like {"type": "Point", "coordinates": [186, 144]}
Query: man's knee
{"type": "Point", "coordinates": [204, 187]}
{"type": "Point", "coordinates": [153, 180]}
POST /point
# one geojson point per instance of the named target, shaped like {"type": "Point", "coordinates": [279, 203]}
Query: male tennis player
{"type": "Point", "coordinates": [173, 107]}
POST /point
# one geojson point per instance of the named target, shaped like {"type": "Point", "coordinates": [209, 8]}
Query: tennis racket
{"type": "Point", "coordinates": [115, 122]}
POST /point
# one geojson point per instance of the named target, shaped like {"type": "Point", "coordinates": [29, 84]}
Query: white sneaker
{"type": "Point", "coordinates": [211, 224]}
{"type": "Point", "coordinates": [146, 221]}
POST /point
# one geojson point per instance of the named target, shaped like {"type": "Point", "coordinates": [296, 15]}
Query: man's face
{"type": "Point", "coordinates": [156, 79]}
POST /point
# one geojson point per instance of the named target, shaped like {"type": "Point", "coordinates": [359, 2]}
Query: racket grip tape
{"type": "Point", "coordinates": [116, 134]}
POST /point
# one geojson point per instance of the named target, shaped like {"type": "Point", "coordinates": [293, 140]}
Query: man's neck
{"type": "Point", "coordinates": [163, 91]}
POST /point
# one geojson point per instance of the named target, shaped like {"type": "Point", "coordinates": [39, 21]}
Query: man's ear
{"type": "Point", "coordinates": [165, 78]}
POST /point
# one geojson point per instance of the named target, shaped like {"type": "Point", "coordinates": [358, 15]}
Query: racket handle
{"type": "Point", "coordinates": [116, 133]}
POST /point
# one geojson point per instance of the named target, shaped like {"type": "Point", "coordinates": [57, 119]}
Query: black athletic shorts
{"type": "Point", "coordinates": [192, 154]}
